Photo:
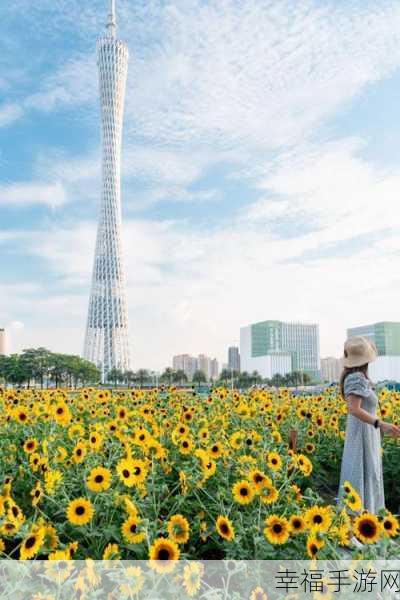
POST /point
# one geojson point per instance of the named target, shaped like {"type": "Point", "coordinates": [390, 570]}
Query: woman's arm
{"type": "Point", "coordinates": [354, 406]}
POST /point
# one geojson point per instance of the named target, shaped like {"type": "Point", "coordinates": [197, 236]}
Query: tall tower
{"type": "Point", "coordinates": [107, 338]}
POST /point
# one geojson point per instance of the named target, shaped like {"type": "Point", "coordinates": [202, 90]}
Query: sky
{"type": "Point", "coordinates": [261, 169]}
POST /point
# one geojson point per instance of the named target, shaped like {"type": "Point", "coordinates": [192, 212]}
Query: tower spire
{"type": "Point", "coordinates": [112, 20]}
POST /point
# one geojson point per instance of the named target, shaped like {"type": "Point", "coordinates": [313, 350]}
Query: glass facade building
{"type": "Point", "coordinates": [385, 335]}
{"type": "Point", "coordinates": [299, 341]}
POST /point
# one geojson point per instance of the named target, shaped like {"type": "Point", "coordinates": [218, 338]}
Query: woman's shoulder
{"type": "Point", "coordinates": [356, 383]}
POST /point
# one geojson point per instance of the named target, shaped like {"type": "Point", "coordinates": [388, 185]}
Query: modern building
{"type": "Point", "coordinates": [272, 347]}
{"type": "Point", "coordinates": [185, 363]}
{"type": "Point", "coordinates": [234, 358]}
{"type": "Point", "coordinates": [331, 369]}
{"type": "Point", "coordinates": [214, 369]}
{"type": "Point", "coordinates": [386, 337]}
{"type": "Point", "coordinates": [107, 339]}
{"type": "Point", "coordinates": [3, 345]}
{"type": "Point", "coordinates": [204, 365]}
{"type": "Point", "coordinates": [190, 364]}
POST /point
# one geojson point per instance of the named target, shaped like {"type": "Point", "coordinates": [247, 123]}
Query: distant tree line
{"type": "Point", "coordinates": [143, 377]}
{"type": "Point", "coordinates": [244, 380]}
{"type": "Point", "coordinates": [39, 366]}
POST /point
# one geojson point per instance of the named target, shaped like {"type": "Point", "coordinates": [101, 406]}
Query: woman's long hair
{"type": "Point", "coordinates": [347, 370]}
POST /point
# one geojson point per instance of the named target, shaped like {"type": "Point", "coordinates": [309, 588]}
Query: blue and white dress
{"type": "Point", "coordinates": [362, 455]}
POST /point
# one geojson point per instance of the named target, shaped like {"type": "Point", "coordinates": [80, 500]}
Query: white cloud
{"type": "Point", "coordinates": [25, 194]}
{"type": "Point", "coordinates": [9, 113]}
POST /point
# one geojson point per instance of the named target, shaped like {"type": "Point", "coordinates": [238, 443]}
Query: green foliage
{"type": "Point", "coordinates": [40, 366]}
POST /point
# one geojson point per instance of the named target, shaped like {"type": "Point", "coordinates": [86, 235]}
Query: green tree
{"type": "Point", "coordinates": [38, 362]}
{"type": "Point", "coordinates": [15, 370]}
{"type": "Point", "coordinates": [115, 376]}
{"type": "Point", "coordinates": [142, 376]}
{"type": "Point", "coordinates": [199, 377]}
{"type": "Point", "coordinates": [167, 376]}
{"type": "Point", "coordinates": [179, 376]}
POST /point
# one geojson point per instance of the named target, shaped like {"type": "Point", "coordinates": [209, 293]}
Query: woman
{"type": "Point", "coordinates": [362, 458]}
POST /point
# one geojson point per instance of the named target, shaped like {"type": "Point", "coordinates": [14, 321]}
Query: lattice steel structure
{"type": "Point", "coordinates": [107, 338]}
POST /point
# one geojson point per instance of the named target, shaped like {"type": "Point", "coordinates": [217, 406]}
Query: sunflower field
{"type": "Point", "coordinates": [95, 474]}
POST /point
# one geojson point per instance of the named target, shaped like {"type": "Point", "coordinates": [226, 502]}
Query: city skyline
{"type": "Point", "coordinates": [267, 200]}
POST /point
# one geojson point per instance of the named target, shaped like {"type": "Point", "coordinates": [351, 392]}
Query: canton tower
{"type": "Point", "coordinates": [107, 338]}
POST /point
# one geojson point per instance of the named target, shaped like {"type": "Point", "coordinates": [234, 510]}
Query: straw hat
{"type": "Point", "coordinates": [358, 351]}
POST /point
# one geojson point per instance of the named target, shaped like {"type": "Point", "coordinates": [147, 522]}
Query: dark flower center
{"type": "Point", "coordinates": [317, 519]}
{"type": "Point", "coordinates": [80, 510]}
{"type": "Point", "coordinates": [368, 529]}
{"type": "Point", "coordinates": [30, 542]}
{"type": "Point", "coordinates": [163, 554]}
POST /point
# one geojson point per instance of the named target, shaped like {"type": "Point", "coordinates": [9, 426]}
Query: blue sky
{"type": "Point", "coordinates": [261, 169]}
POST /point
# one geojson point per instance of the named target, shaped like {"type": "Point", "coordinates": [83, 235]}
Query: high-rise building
{"type": "Point", "coordinates": [204, 365]}
{"type": "Point", "coordinates": [185, 363]}
{"type": "Point", "coordinates": [234, 358]}
{"type": "Point", "coordinates": [331, 369]}
{"type": "Point", "coordinates": [214, 369]}
{"type": "Point", "coordinates": [107, 341]}
{"type": "Point", "coordinates": [3, 346]}
{"type": "Point", "coordinates": [271, 347]}
{"type": "Point", "coordinates": [386, 337]}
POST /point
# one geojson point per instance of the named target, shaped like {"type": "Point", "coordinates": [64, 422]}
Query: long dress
{"type": "Point", "coordinates": [362, 456]}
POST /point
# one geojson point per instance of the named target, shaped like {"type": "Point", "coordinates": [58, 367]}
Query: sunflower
{"type": "Point", "coordinates": [99, 479]}
{"type": "Point", "coordinates": [32, 544]}
{"type": "Point", "coordinates": [314, 545]}
{"type": "Point", "coordinates": [304, 464]}
{"type": "Point", "coordinates": [216, 450]}
{"type": "Point", "coordinates": [30, 445]}
{"type": "Point", "coordinates": [192, 573]}
{"type": "Point", "coordinates": [186, 446]}
{"type": "Point", "coordinates": [259, 479]}
{"type": "Point", "coordinates": [277, 530]}
{"type": "Point", "coordinates": [163, 552]}
{"type": "Point", "coordinates": [390, 525]}
{"type": "Point", "coordinates": [274, 461]}
{"type": "Point", "coordinates": [132, 471]}
{"type": "Point", "coordinates": [135, 582]}
{"type": "Point", "coordinates": [268, 493]}
{"type": "Point", "coordinates": [297, 524]}
{"type": "Point", "coordinates": [367, 528]}
{"type": "Point", "coordinates": [129, 530]}
{"type": "Point", "coordinates": [258, 594]}
{"type": "Point", "coordinates": [111, 552]}
{"type": "Point", "coordinates": [243, 492]}
{"type": "Point", "coordinates": [80, 511]}
{"type": "Point", "coordinates": [37, 494]}
{"type": "Point", "coordinates": [95, 441]}
{"type": "Point", "coordinates": [318, 518]}
{"type": "Point", "coordinates": [79, 452]}
{"type": "Point", "coordinates": [353, 501]}
{"type": "Point", "coordinates": [225, 528]}
{"type": "Point", "coordinates": [204, 435]}
{"type": "Point", "coordinates": [52, 480]}
{"type": "Point", "coordinates": [178, 529]}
